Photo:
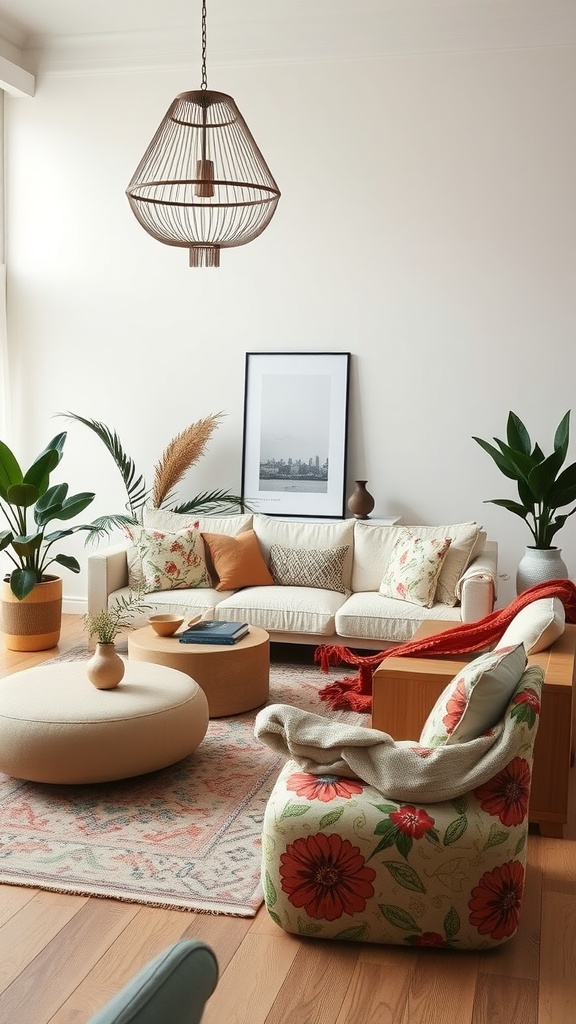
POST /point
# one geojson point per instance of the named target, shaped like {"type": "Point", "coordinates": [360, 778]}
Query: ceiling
{"type": "Point", "coordinates": [27, 21]}
{"type": "Point", "coordinates": [64, 34]}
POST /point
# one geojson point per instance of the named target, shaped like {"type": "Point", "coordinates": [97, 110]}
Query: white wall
{"type": "Point", "coordinates": [427, 225]}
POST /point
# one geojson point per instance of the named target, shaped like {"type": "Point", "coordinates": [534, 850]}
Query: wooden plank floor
{"type": "Point", "coordinates": [62, 957]}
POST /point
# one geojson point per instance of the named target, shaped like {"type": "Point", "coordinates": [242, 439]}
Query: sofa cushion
{"type": "Point", "coordinates": [370, 616]}
{"type": "Point", "coordinates": [373, 546]}
{"type": "Point", "coordinates": [301, 567]}
{"type": "Point", "coordinates": [476, 699]}
{"type": "Point", "coordinates": [413, 570]}
{"type": "Point", "coordinates": [283, 609]}
{"type": "Point", "coordinates": [168, 561]}
{"type": "Point", "coordinates": [537, 625]}
{"type": "Point", "coordinates": [189, 603]}
{"type": "Point", "coordinates": [171, 522]}
{"type": "Point", "coordinates": [237, 560]}
{"type": "Point", "coordinates": [311, 536]}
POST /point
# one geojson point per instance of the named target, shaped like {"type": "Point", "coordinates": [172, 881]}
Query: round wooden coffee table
{"type": "Point", "coordinates": [234, 677]}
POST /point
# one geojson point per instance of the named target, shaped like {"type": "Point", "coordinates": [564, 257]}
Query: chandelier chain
{"type": "Point", "coordinates": [204, 76]}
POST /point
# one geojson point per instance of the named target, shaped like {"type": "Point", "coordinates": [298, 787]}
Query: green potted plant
{"type": "Point", "coordinates": [544, 485]}
{"type": "Point", "coordinates": [29, 504]}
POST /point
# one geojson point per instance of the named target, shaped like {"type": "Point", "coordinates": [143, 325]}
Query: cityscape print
{"type": "Point", "coordinates": [294, 474]}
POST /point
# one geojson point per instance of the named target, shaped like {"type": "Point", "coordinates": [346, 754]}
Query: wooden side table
{"type": "Point", "coordinates": [405, 690]}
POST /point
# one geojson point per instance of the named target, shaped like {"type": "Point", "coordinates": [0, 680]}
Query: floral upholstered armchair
{"type": "Point", "coordinates": [342, 858]}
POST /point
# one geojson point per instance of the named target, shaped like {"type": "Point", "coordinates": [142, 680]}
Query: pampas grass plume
{"type": "Point", "coordinates": [180, 454]}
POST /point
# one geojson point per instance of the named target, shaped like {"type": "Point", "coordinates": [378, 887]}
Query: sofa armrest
{"type": "Point", "coordinates": [107, 572]}
{"type": "Point", "coordinates": [477, 587]}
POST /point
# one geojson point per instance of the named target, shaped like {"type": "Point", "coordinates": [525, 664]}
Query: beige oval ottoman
{"type": "Point", "coordinates": [55, 726]}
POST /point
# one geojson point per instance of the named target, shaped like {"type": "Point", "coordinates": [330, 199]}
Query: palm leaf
{"type": "Point", "coordinates": [134, 483]}
{"type": "Point", "coordinates": [104, 525]}
{"type": "Point", "coordinates": [212, 501]}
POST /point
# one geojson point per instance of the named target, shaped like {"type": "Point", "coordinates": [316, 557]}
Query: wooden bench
{"type": "Point", "coordinates": [405, 690]}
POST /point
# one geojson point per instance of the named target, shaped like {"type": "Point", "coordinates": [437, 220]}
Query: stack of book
{"type": "Point", "coordinates": [213, 631]}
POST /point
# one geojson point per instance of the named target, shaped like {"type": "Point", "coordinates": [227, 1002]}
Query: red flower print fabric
{"type": "Point", "coordinates": [323, 787]}
{"type": "Point", "coordinates": [168, 561]}
{"type": "Point", "coordinates": [496, 901]}
{"type": "Point", "coordinates": [508, 793]}
{"type": "Point", "coordinates": [326, 876]}
{"type": "Point", "coordinates": [344, 860]}
{"type": "Point", "coordinates": [401, 826]}
{"type": "Point", "coordinates": [455, 707]}
{"type": "Point", "coordinates": [429, 939]}
{"type": "Point", "coordinates": [526, 707]}
{"type": "Point", "coordinates": [412, 822]}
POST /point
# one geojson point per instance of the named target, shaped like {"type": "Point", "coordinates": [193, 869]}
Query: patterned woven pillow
{"type": "Point", "coordinates": [413, 569]}
{"type": "Point", "coordinates": [302, 567]}
{"type": "Point", "coordinates": [476, 699]}
{"type": "Point", "coordinates": [168, 561]}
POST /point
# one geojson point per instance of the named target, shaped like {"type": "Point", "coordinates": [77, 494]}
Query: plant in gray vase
{"type": "Point", "coordinates": [545, 485]}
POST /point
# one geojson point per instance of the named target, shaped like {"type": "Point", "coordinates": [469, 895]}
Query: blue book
{"type": "Point", "coordinates": [214, 631]}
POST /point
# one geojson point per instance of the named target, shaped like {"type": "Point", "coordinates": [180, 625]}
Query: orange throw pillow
{"type": "Point", "coordinates": [237, 561]}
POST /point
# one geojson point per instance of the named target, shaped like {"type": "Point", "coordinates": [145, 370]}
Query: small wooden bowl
{"type": "Point", "coordinates": [165, 625]}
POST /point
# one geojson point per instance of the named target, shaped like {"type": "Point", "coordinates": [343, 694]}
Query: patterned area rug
{"type": "Point", "coordinates": [186, 837]}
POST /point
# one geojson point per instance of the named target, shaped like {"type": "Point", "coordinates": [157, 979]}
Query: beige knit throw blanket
{"type": "Point", "coordinates": [400, 769]}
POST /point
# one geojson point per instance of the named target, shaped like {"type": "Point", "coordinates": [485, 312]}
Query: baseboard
{"type": "Point", "coordinates": [74, 606]}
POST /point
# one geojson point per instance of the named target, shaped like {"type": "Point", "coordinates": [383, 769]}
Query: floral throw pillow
{"type": "Point", "coordinates": [168, 561]}
{"type": "Point", "coordinates": [413, 570]}
{"type": "Point", "coordinates": [476, 699]}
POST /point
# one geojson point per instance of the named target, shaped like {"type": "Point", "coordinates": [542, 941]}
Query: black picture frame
{"type": "Point", "coordinates": [296, 433]}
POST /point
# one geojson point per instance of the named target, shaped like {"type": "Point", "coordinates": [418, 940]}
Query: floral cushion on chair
{"type": "Point", "coordinates": [342, 860]}
{"type": "Point", "coordinates": [476, 698]}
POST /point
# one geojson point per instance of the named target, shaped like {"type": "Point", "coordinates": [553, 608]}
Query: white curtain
{"type": "Point", "coordinates": [5, 391]}
{"type": "Point", "coordinates": [4, 379]}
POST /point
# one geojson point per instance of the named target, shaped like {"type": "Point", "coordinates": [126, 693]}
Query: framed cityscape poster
{"type": "Point", "coordinates": [295, 433]}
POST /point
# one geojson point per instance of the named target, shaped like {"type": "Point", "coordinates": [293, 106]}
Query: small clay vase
{"type": "Point", "coordinates": [360, 501]}
{"type": "Point", "coordinates": [105, 668]}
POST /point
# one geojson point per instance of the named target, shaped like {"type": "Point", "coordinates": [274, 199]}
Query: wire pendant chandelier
{"type": "Point", "coordinates": [203, 184]}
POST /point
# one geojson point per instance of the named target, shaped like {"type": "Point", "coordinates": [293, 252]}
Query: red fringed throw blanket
{"type": "Point", "coordinates": [355, 694]}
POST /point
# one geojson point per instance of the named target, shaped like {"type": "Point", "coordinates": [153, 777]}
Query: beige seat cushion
{"type": "Point", "coordinates": [373, 617]}
{"type": "Point", "coordinates": [283, 609]}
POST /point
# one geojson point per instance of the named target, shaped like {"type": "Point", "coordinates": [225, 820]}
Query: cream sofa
{"type": "Point", "coordinates": [348, 609]}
